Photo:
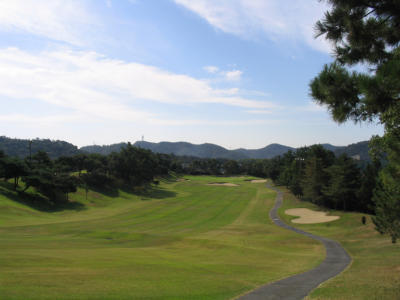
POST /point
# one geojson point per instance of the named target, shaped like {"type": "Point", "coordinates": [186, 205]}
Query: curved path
{"type": "Point", "coordinates": [300, 285]}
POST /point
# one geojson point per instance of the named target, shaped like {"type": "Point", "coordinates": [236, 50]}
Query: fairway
{"type": "Point", "coordinates": [182, 240]}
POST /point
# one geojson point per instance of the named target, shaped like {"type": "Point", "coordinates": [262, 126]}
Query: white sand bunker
{"type": "Point", "coordinates": [258, 180]}
{"type": "Point", "coordinates": [223, 184]}
{"type": "Point", "coordinates": [308, 216]}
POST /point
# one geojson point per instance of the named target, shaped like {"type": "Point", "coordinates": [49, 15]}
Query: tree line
{"type": "Point", "coordinates": [55, 179]}
{"type": "Point", "coordinates": [312, 173]}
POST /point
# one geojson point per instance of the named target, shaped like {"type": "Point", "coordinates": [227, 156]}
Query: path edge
{"type": "Point", "coordinates": [279, 198]}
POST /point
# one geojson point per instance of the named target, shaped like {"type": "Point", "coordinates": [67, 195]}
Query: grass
{"type": "Point", "coordinates": [180, 240]}
{"type": "Point", "coordinates": [375, 270]}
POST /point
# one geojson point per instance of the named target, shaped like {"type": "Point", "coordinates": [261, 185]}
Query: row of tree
{"type": "Point", "coordinates": [317, 175]}
{"type": "Point", "coordinates": [55, 179]}
{"type": "Point", "coordinates": [311, 173]}
{"type": "Point", "coordinates": [40, 172]}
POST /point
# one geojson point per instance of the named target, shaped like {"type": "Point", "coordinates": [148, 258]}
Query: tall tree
{"type": "Point", "coordinates": [369, 177]}
{"type": "Point", "coordinates": [313, 181]}
{"type": "Point", "coordinates": [344, 183]}
{"type": "Point", "coordinates": [366, 32]}
{"type": "Point", "coordinates": [14, 168]}
{"type": "Point", "coordinates": [2, 163]}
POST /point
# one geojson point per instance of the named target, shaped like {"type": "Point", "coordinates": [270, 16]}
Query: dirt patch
{"type": "Point", "coordinates": [223, 184]}
{"type": "Point", "coordinates": [258, 180]}
{"type": "Point", "coordinates": [308, 216]}
{"type": "Point", "coordinates": [182, 179]}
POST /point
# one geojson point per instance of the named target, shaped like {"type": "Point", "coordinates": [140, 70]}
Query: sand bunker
{"type": "Point", "coordinates": [258, 180]}
{"type": "Point", "coordinates": [182, 179]}
{"type": "Point", "coordinates": [223, 184]}
{"type": "Point", "coordinates": [308, 216]}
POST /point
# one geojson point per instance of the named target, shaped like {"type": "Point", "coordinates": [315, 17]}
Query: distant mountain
{"type": "Point", "coordinates": [358, 151]}
{"type": "Point", "coordinates": [332, 148]}
{"type": "Point", "coordinates": [269, 151]}
{"type": "Point", "coordinates": [20, 147]}
{"type": "Point", "coordinates": [206, 150]}
{"type": "Point", "coordinates": [105, 150]}
{"type": "Point", "coordinates": [187, 149]}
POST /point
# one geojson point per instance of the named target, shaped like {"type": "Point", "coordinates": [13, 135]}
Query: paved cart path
{"type": "Point", "coordinates": [299, 286]}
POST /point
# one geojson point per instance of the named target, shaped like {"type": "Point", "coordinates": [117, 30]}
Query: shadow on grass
{"type": "Point", "coordinates": [106, 191]}
{"type": "Point", "coordinates": [153, 192]}
{"type": "Point", "coordinates": [41, 203]}
{"type": "Point", "coordinates": [37, 201]}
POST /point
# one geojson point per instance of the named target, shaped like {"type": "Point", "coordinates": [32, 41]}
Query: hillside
{"type": "Point", "coordinates": [187, 149]}
{"type": "Point", "coordinates": [269, 151]}
{"type": "Point", "coordinates": [357, 150]}
{"type": "Point", "coordinates": [105, 149]}
{"type": "Point", "coordinates": [206, 150]}
{"type": "Point", "coordinates": [20, 147]}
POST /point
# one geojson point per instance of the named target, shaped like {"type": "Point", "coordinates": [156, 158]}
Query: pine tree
{"type": "Point", "coordinates": [344, 183]}
{"type": "Point", "coordinates": [366, 32]}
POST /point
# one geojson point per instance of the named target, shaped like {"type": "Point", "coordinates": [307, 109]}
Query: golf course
{"type": "Point", "coordinates": [196, 237]}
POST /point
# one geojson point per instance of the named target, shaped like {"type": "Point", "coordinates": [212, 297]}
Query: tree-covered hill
{"type": "Point", "coordinates": [104, 150]}
{"type": "Point", "coordinates": [357, 150]}
{"type": "Point", "coordinates": [269, 151]}
{"type": "Point", "coordinates": [206, 150]}
{"type": "Point", "coordinates": [20, 147]}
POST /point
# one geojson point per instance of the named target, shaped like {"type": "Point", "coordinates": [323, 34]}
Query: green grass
{"type": "Point", "coordinates": [375, 270]}
{"type": "Point", "coordinates": [181, 240]}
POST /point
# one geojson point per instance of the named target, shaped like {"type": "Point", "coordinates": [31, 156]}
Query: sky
{"type": "Point", "coordinates": [230, 72]}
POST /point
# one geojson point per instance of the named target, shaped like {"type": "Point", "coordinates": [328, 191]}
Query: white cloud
{"type": "Point", "coordinates": [289, 20]}
{"type": "Point", "coordinates": [259, 112]}
{"type": "Point", "coordinates": [250, 122]}
{"type": "Point", "coordinates": [39, 120]}
{"type": "Point", "coordinates": [234, 75]}
{"type": "Point", "coordinates": [60, 20]}
{"type": "Point", "coordinates": [94, 86]}
{"type": "Point", "coordinates": [211, 69]}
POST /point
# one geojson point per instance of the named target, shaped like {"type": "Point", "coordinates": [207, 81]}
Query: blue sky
{"type": "Point", "coordinates": [229, 72]}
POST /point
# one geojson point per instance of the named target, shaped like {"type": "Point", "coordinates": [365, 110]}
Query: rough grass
{"type": "Point", "coordinates": [375, 271]}
{"type": "Point", "coordinates": [180, 240]}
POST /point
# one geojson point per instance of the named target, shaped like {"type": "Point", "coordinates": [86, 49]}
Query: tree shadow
{"type": "Point", "coordinates": [154, 192]}
{"type": "Point", "coordinates": [107, 191]}
{"type": "Point", "coordinates": [37, 201]}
